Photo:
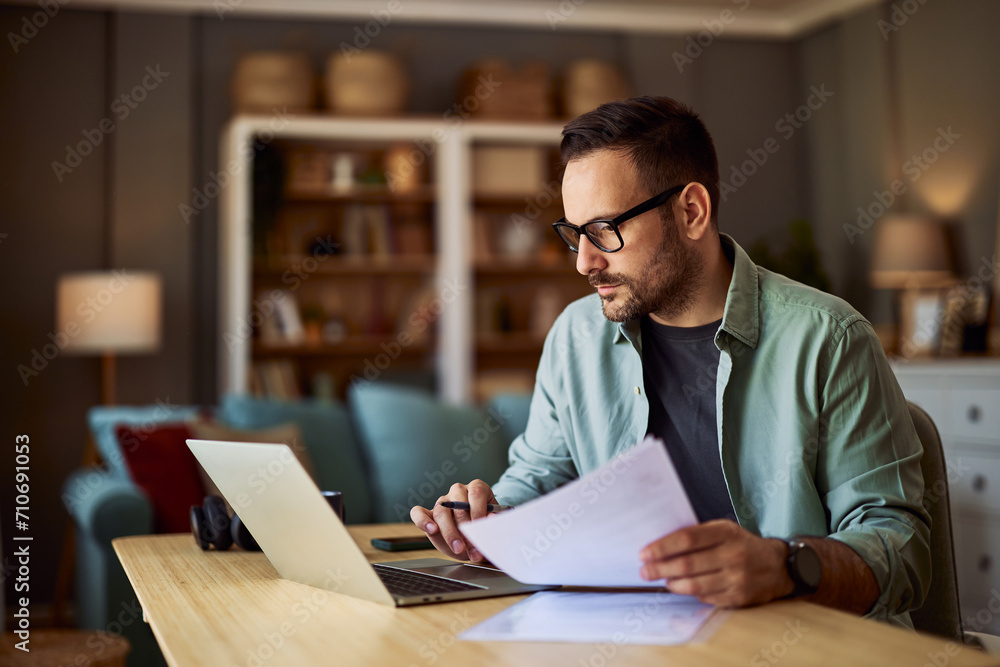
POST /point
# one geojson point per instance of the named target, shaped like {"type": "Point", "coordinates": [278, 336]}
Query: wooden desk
{"type": "Point", "coordinates": [230, 608]}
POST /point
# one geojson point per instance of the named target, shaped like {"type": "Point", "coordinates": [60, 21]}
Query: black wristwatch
{"type": "Point", "coordinates": [804, 567]}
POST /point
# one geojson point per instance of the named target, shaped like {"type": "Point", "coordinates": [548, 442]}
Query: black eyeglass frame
{"type": "Point", "coordinates": [581, 230]}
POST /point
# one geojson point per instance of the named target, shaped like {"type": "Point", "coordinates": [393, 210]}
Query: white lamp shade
{"type": "Point", "coordinates": [114, 311]}
{"type": "Point", "coordinates": [910, 252]}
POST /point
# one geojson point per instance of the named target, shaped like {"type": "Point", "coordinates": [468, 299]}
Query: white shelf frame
{"type": "Point", "coordinates": [452, 160]}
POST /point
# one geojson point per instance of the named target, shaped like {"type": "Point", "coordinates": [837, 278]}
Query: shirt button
{"type": "Point", "coordinates": [637, 392]}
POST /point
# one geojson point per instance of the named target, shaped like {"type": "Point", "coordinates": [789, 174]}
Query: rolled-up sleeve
{"type": "Point", "coordinates": [868, 470]}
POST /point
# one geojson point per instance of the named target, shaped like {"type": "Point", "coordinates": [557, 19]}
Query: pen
{"type": "Point", "coordinates": [465, 506]}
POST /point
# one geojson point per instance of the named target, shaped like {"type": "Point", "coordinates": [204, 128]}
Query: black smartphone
{"type": "Point", "coordinates": [401, 543]}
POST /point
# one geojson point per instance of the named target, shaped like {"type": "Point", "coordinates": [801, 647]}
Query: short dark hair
{"type": "Point", "coordinates": [665, 140]}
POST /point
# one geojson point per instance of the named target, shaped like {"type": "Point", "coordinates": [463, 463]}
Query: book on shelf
{"type": "Point", "coordinates": [308, 170]}
{"type": "Point", "coordinates": [280, 319]}
{"type": "Point", "coordinates": [268, 332]}
{"type": "Point", "coordinates": [545, 309]}
{"type": "Point", "coordinates": [378, 227]}
{"type": "Point", "coordinates": [482, 237]}
{"type": "Point", "coordinates": [286, 311]}
{"type": "Point", "coordinates": [366, 232]}
{"type": "Point", "coordinates": [418, 315]}
{"type": "Point", "coordinates": [412, 236]}
{"type": "Point", "coordinates": [275, 379]}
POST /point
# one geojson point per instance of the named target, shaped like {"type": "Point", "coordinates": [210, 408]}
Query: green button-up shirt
{"type": "Point", "coordinates": [814, 434]}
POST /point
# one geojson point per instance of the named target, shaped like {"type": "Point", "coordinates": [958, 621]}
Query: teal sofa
{"type": "Point", "coordinates": [388, 448]}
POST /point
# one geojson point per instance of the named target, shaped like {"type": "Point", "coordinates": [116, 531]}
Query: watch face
{"type": "Point", "coordinates": [807, 565]}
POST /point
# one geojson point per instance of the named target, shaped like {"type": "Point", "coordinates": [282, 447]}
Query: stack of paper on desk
{"type": "Point", "coordinates": [590, 531]}
{"type": "Point", "coordinates": [592, 618]}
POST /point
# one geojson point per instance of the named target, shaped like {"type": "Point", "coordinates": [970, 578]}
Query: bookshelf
{"type": "Point", "coordinates": [454, 274]}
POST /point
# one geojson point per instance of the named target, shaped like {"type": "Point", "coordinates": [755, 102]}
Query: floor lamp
{"type": "Point", "coordinates": [106, 313]}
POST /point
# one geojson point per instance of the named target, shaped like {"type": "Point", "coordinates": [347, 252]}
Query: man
{"type": "Point", "coordinates": [775, 401]}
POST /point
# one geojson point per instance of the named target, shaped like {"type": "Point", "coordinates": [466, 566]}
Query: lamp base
{"type": "Point", "coordinates": [108, 372]}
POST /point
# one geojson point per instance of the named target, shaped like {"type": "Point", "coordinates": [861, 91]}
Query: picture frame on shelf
{"type": "Point", "coordinates": [922, 313]}
{"type": "Point", "coordinates": [966, 320]}
{"type": "Point", "coordinates": [952, 324]}
{"type": "Point", "coordinates": [975, 331]}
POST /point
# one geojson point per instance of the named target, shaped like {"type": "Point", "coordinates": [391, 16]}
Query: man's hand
{"type": "Point", "coordinates": [441, 523]}
{"type": "Point", "coordinates": [720, 563]}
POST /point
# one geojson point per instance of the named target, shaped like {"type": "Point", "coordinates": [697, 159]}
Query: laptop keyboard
{"type": "Point", "coordinates": [406, 583]}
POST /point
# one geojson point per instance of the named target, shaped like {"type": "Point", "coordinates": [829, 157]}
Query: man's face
{"type": "Point", "coordinates": [656, 271]}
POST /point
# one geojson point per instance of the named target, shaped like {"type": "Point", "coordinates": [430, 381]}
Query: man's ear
{"type": "Point", "coordinates": [695, 206]}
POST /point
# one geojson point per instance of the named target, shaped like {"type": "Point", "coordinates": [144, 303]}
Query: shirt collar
{"type": "Point", "coordinates": [741, 318]}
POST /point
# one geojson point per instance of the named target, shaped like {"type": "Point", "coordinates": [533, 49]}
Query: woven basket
{"type": "Point", "coordinates": [590, 83]}
{"type": "Point", "coordinates": [266, 80]}
{"type": "Point", "coordinates": [369, 83]}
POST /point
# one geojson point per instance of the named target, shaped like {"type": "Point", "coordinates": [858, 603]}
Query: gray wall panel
{"type": "Point", "coordinates": [152, 177]}
{"type": "Point", "coordinates": [747, 89]}
{"type": "Point", "coordinates": [828, 206]}
{"type": "Point", "coordinates": [52, 90]}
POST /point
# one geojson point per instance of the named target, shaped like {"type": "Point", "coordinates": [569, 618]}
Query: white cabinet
{"type": "Point", "coordinates": [962, 396]}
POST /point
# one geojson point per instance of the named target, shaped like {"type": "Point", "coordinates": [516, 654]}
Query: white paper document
{"type": "Point", "coordinates": [590, 531]}
{"type": "Point", "coordinates": [593, 618]}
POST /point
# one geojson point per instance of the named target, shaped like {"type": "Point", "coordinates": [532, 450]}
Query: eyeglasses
{"type": "Point", "coordinates": [604, 234]}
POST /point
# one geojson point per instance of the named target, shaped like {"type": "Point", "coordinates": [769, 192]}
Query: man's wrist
{"type": "Point", "coordinates": [784, 586]}
{"type": "Point", "coordinates": [805, 567]}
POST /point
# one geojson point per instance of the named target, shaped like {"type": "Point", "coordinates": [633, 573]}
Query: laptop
{"type": "Point", "coordinates": [306, 542]}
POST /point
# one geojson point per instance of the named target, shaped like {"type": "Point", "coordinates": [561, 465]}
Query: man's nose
{"type": "Point", "coordinates": [589, 258]}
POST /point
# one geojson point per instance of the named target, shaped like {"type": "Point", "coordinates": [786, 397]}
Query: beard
{"type": "Point", "coordinates": [666, 286]}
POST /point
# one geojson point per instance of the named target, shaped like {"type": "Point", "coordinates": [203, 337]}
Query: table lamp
{"type": "Point", "coordinates": [910, 255]}
{"type": "Point", "coordinates": [109, 313]}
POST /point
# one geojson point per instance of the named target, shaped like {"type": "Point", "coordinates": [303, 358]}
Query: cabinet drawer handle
{"type": "Point", "coordinates": [974, 413]}
{"type": "Point", "coordinates": [985, 563]}
{"type": "Point", "coordinates": [979, 483]}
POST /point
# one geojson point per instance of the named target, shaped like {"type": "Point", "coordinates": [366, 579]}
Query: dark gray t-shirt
{"type": "Point", "coordinates": [680, 366]}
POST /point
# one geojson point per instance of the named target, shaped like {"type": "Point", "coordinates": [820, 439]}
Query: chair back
{"type": "Point", "coordinates": [940, 614]}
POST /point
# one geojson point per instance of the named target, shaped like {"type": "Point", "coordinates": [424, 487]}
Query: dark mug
{"type": "Point", "coordinates": [336, 500]}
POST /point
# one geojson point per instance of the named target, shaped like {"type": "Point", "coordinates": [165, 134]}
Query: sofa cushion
{"type": "Point", "coordinates": [103, 420]}
{"type": "Point", "coordinates": [288, 434]}
{"type": "Point", "coordinates": [513, 409]}
{"type": "Point", "coordinates": [418, 446]}
{"type": "Point", "coordinates": [161, 464]}
{"type": "Point", "coordinates": [328, 435]}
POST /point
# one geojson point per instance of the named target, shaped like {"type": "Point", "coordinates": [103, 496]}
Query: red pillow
{"type": "Point", "coordinates": [162, 465]}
